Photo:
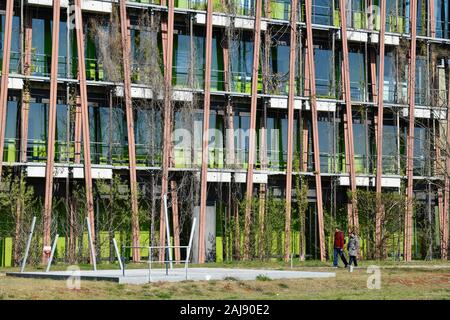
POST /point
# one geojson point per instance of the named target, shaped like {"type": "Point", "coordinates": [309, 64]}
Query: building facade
{"type": "Point", "coordinates": [244, 114]}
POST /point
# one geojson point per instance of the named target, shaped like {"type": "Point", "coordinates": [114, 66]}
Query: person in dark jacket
{"type": "Point", "coordinates": [353, 248]}
{"type": "Point", "coordinates": [339, 248]}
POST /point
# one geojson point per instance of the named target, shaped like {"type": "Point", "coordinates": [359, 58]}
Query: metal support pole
{"type": "Point", "coordinates": [51, 127]}
{"type": "Point", "coordinates": [85, 119]}
{"type": "Point", "coordinates": [124, 32]}
{"type": "Point", "coordinates": [49, 263]}
{"type": "Point", "coordinates": [410, 139]}
{"type": "Point", "coordinates": [252, 135]}
{"type": "Point", "coordinates": [168, 54]}
{"type": "Point", "coordinates": [207, 101]}
{"type": "Point", "coordinates": [353, 213]}
{"type": "Point", "coordinates": [191, 238]}
{"type": "Point", "coordinates": [91, 245]}
{"type": "Point", "coordinates": [27, 249]}
{"type": "Point", "coordinates": [290, 129]}
{"type": "Point", "coordinates": [119, 258]}
{"type": "Point", "coordinates": [445, 216]}
{"type": "Point", "coordinates": [5, 76]}
{"type": "Point", "coordinates": [166, 215]}
{"type": "Point", "coordinates": [312, 96]}
{"type": "Point", "coordinates": [431, 19]}
{"type": "Point", "coordinates": [379, 133]}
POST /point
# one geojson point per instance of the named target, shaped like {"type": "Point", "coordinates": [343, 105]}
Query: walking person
{"type": "Point", "coordinates": [339, 248]}
{"type": "Point", "coordinates": [353, 248]}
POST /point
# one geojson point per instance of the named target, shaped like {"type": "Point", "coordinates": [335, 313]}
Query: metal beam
{"type": "Point", "coordinates": [353, 214]}
{"type": "Point", "coordinates": [252, 136]}
{"type": "Point", "coordinates": [312, 101]}
{"type": "Point", "coordinates": [205, 152]}
{"type": "Point", "coordinates": [290, 129]}
{"type": "Point", "coordinates": [445, 212]}
{"type": "Point", "coordinates": [410, 139]}
{"type": "Point", "coordinates": [125, 37]}
{"type": "Point", "coordinates": [432, 19]}
{"type": "Point", "coordinates": [51, 128]}
{"type": "Point", "coordinates": [168, 29]}
{"type": "Point", "coordinates": [5, 76]}
{"type": "Point", "coordinates": [85, 122]}
{"type": "Point", "coordinates": [379, 133]}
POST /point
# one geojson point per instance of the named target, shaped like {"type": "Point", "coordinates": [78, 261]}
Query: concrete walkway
{"type": "Point", "coordinates": [141, 276]}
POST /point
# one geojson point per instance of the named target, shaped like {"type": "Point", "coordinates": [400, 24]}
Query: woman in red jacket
{"type": "Point", "coordinates": [339, 248]}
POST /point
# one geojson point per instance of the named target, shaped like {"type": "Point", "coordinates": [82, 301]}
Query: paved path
{"type": "Point", "coordinates": [141, 276]}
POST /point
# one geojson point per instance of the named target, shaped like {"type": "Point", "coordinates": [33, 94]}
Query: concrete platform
{"type": "Point", "coordinates": [141, 276]}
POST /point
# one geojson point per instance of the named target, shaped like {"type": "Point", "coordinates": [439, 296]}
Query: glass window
{"type": "Point", "coordinates": [14, 63]}
{"type": "Point", "coordinates": [10, 146]}
{"type": "Point", "coordinates": [324, 69]}
{"type": "Point", "coordinates": [241, 65]}
{"type": "Point", "coordinates": [357, 74]}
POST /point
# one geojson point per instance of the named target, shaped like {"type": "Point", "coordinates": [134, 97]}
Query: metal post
{"type": "Point", "coordinates": [5, 76]}
{"type": "Point", "coordinates": [168, 53]}
{"type": "Point", "coordinates": [312, 96]}
{"type": "Point", "coordinates": [123, 261]}
{"type": "Point", "coordinates": [91, 245]}
{"type": "Point", "coordinates": [205, 140]}
{"type": "Point", "coordinates": [252, 137]}
{"type": "Point", "coordinates": [27, 249]}
{"type": "Point", "coordinates": [445, 213]}
{"type": "Point", "coordinates": [353, 213]}
{"type": "Point", "coordinates": [379, 133]}
{"type": "Point", "coordinates": [167, 230]}
{"type": "Point", "coordinates": [49, 263]}
{"type": "Point", "coordinates": [130, 129]}
{"type": "Point", "coordinates": [431, 19]}
{"type": "Point", "coordinates": [290, 130]}
{"type": "Point", "coordinates": [188, 253]}
{"type": "Point", "coordinates": [119, 258]}
{"type": "Point", "coordinates": [410, 139]}
{"type": "Point", "coordinates": [84, 118]}
{"type": "Point", "coordinates": [51, 127]}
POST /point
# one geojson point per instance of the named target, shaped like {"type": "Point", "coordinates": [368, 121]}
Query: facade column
{"type": "Point", "coordinates": [51, 129]}
{"type": "Point", "coordinates": [312, 101]}
{"type": "Point", "coordinates": [85, 121]}
{"type": "Point", "coordinates": [5, 77]}
{"type": "Point", "coordinates": [124, 32]}
{"type": "Point", "coordinates": [252, 137]}
{"type": "Point", "coordinates": [290, 129]}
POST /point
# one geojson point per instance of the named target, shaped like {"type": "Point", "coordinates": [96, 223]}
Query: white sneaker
{"type": "Point", "coordinates": [351, 268]}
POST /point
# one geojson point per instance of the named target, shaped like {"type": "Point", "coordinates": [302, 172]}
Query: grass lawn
{"type": "Point", "coordinates": [416, 280]}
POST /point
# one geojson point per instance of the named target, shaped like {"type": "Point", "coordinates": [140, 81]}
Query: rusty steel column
{"type": "Point", "coordinates": [312, 97]}
{"type": "Point", "coordinates": [124, 32]}
{"type": "Point", "coordinates": [207, 100]}
{"type": "Point", "coordinates": [26, 90]}
{"type": "Point", "coordinates": [51, 129]}
{"type": "Point", "coordinates": [290, 129]}
{"type": "Point", "coordinates": [445, 213]}
{"type": "Point", "coordinates": [410, 139]}
{"type": "Point", "coordinates": [85, 121]}
{"type": "Point", "coordinates": [5, 76]}
{"type": "Point", "coordinates": [252, 137]}
{"type": "Point", "coordinates": [353, 219]}
{"type": "Point", "coordinates": [379, 133]}
{"type": "Point", "coordinates": [431, 18]}
{"type": "Point", "coordinates": [168, 53]}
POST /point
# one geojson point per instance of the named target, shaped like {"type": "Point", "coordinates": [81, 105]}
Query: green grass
{"type": "Point", "coordinates": [416, 280]}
